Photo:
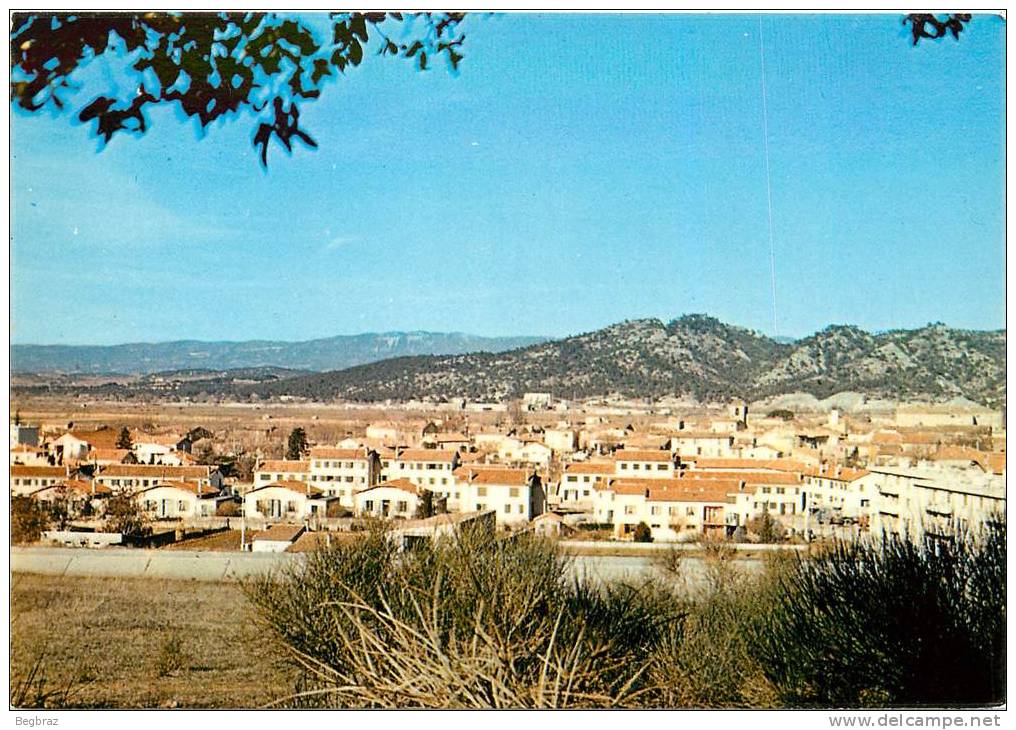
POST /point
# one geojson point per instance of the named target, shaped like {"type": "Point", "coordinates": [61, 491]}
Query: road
{"type": "Point", "coordinates": [231, 566]}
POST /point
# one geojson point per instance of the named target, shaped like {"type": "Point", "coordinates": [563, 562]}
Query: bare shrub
{"type": "Point", "coordinates": [471, 621]}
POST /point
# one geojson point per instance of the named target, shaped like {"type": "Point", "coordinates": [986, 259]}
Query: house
{"type": "Point", "coordinates": [288, 501]}
{"type": "Point", "coordinates": [29, 455]}
{"type": "Point", "coordinates": [840, 492]}
{"type": "Point", "coordinates": [279, 470]}
{"type": "Point", "coordinates": [105, 457]}
{"type": "Point", "coordinates": [451, 441]}
{"type": "Point", "coordinates": [702, 443]}
{"type": "Point", "coordinates": [385, 431]}
{"type": "Point", "coordinates": [75, 445]}
{"type": "Point", "coordinates": [580, 479]}
{"type": "Point", "coordinates": [561, 440]}
{"type": "Point", "coordinates": [134, 477]}
{"type": "Point", "coordinates": [397, 498]}
{"type": "Point", "coordinates": [673, 510]}
{"type": "Point", "coordinates": [276, 539]}
{"type": "Point", "coordinates": [80, 497]}
{"type": "Point", "coordinates": [644, 463]}
{"type": "Point", "coordinates": [27, 479]}
{"type": "Point", "coordinates": [157, 450]}
{"type": "Point", "coordinates": [178, 500]}
{"type": "Point", "coordinates": [524, 452]}
{"type": "Point", "coordinates": [429, 468]}
{"type": "Point", "coordinates": [537, 401]}
{"type": "Point", "coordinates": [515, 495]}
{"type": "Point", "coordinates": [549, 524]}
{"type": "Point", "coordinates": [343, 472]}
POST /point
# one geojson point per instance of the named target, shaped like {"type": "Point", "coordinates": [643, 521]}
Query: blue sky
{"type": "Point", "coordinates": [578, 171]}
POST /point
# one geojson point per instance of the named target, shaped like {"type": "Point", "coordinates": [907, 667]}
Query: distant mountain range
{"type": "Point", "coordinates": [331, 353]}
{"type": "Point", "coordinates": [695, 356]}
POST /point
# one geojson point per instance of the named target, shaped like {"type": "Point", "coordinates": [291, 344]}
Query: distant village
{"type": "Point", "coordinates": [732, 474]}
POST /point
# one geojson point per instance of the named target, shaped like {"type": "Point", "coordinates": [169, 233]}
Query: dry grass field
{"type": "Point", "coordinates": [108, 642]}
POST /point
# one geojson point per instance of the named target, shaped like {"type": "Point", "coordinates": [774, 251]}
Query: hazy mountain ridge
{"type": "Point", "coordinates": [330, 353]}
{"type": "Point", "coordinates": [695, 355]}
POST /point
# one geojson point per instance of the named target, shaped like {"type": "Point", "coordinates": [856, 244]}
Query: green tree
{"type": "Point", "coordinates": [643, 533]}
{"type": "Point", "coordinates": [425, 507]}
{"type": "Point", "coordinates": [297, 444]}
{"type": "Point", "coordinates": [203, 452]}
{"type": "Point", "coordinates": [28, 520]}
{"type": "Point", "coordinates": [123, 514]}
{"type": "Point", "coordinates": [213, 65]}
{"type": "Point", "coordinates": [767, 528]}
{"type": "Point", "coordinates": [786, 415]}
{"type": "Point", "coordinates": [124, 441]}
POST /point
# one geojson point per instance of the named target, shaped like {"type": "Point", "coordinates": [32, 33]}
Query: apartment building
{"type": "Point", "coordinates": [579, 480]}
{"type": "Point", "coordinates": [644, 463]}
{"type": "Point", "coordinates": [344, 472]}
{"type": "Point", "coordinates": [428, 468]}
{"type": "Point", "coordinates": [675, 510]}
{"type": "Point", "coordinates": [27, 479]}
{"type": "Point", "coordinates": [934, 502]}
{"type": "Point", "coordinates": [702, 443]}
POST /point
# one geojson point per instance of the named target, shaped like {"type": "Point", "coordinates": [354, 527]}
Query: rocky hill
{"type": "Point", "coordinates": [695, 356]}
{"type": "Point", "coordinates": [332, 353]}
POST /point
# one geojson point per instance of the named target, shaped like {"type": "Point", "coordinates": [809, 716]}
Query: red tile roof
{"type": "Point", "coordinates": [328, 452]}
{"type": "Point", "coordinates": [158, 471]}
{"type": "Point", "coordinates": [278, 533]}
{"type": "Point", "coordinates": [285, 466]}
{"type": "Point", "coordinates": [505, 477]}
{"type": "Point", "coordinates": [22, 470]}
{"type": "Point", "coordinates": [442, 455]}
{"type": "Point", "coordinates": [643, 455]}
{"type": "Point", "coordinates": [590, 467]}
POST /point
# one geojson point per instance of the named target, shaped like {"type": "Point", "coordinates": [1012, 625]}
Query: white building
{"type": "Point", "coordinates": [579, 481]}
{"type": "Point", "coordinates": [28, 479]}
{"type": "Point", "coordinates": [29, 455]}
{"type": "Point", "coordinates": [135, 477]}
{"type": "Point", "coordinates": [561, 440]}
{"type": "Point", "coordinates": [276, 539]}
{"type": "Point", "coordinates": [344, 472]}
{"type": "Point", "coordinates": [673, 510]}
{"type": "Point", "coordinates": [395, 499]}
{"type": "Point", "coordinates": [282, 470]}
{"type": "Point", "coordinates": [286, 501]}
{"type": "Point", "coordinates": [644, 463]}
{"type": "Point", "coordinates": [429, 468]}
{"type": "Point", "coordinates": [702, 443]}
{"type": "Point", "coordinates": [919, 502]}
{"type": "Point", "coordinates": [177, 500]}
{"type": "Point", "coordinates": [515, 495]}
{"type": "Point", "coordinates": [523, 452]}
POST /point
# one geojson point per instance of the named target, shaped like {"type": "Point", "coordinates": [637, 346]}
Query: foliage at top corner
{"type": "Point", "coordinates": [213, 65]}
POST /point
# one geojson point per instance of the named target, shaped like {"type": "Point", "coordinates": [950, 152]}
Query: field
{"type": "Point", "coordinates": [114, 642]}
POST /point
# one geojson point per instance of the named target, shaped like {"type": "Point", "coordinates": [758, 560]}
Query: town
{"type": "Point", "coordinates": [559, 469]}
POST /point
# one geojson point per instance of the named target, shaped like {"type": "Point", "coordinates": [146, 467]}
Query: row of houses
{"type": "Point", "coordinates": [97, 447]}
{"type": "Point", "coordinates": [717, 496]}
